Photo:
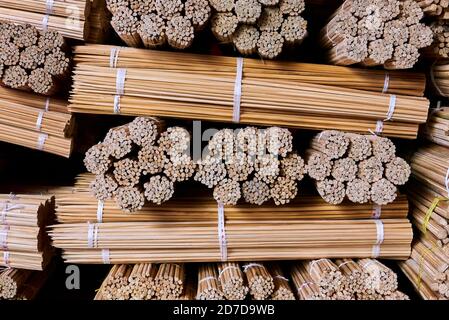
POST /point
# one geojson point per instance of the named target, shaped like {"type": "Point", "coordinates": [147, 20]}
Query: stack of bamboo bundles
{"type": "Point", "coordinates": [36, 122]}
{"type": "Point", "coordinates": [71, 18]}
{"type": "Point", "coordinates": [256, 164]}
{"type": "Point", "coordinates": [31, 59]}
{"type": "Point", "coordinates": [322, 279]}
{"type": "Point", "coordinates": [137, 162]}
{"type": "Point", "coordinates": [21, 284]}
{"type": "Point", "coordinates": [360, 167]}
{"type": "Point", "coordinates": [435, 8]}
{"type": "Point", "coordinates": [439, 76]}
{"type": "Point", "coordinates": [154, 23]}
{"type": "Point", "coordinates": [345, 279]}
{"type": "Point", "coordinates": [195, 86]}
{"type": "Point", "coordinates": [437, 128]}
{"type": "Point", "coordinates": [183, 231]}
{"type": "Point", "coordinates": [23, 240]}
{"type": "Point", "coordinates": [259, 26]}
{"type": "Point", "coordinates": [428, 269]}
{"type": "Point", "coordinates": [380, 32]}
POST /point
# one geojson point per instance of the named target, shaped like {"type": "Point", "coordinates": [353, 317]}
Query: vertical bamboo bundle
{"type": "Point", "coordinates": [306, 288]}
{"type": "Point", "coordinates": [382, 32]}
{"type": "Point", "coordinates": [169, 281]}
{"type": "Point", "coordinates": [141, 281]}
{"type": "Point", "coordinates": [355, 283]}
{"type": "Point", "coordinates": [11, 280]}
{"type": "Point", "coordinates": [361, 168]}
{"type": "Point", "coordinates": [260, 282]}
{"type": "Point", "coordinates": [437, 128]}
{"type": "Point", "coordinates": [281, 289]}
{"type": "Point", "coordinates": [259, 27]}
{"type": "Point", "coordinates": [115, 285]}
{"type": "Point", "coordinates": [327, 276]}
{"type": "Point", "coordinates": [381, 279]}
{"type": "Point", "coordinates": [208, 284]}
{"type": "Point", "coordinates": [232, 281]}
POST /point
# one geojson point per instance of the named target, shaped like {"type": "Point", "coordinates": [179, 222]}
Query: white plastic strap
{"type": "Point", "coordinates": [304, 285]}
{"type": "Point", "coordinates": [113, 57]}
{"type": "Point", "coordinates": [391, 107]}
{"type": "Point", "coordinates": [6, 208]}
{"type": "Point", "coordinates": [207, 278]}
{"type": "Point", "coordinates": [377, 211]}
{"type": "Point", "coordinates": [49, 6]}
{"type": "Point", "coordinates": [45, 22]}
{"type": "Point", "coordinates": [314, 262]}
{"type": "Point", "coordinates": [238, 91]}
{"type": "Point", "coordinates": [105, 256]}
{"type": "Point", "coordinates": [228, 267]}
{"type": "Point", "coordinates": [379, 127]}
{"type": "Point", "coordinates": [386, 82]}
{"type": "Point", "coordinates": [41, 140]}
{"type": "Point", "coordinates": [6, 258]}
{"type": "Point", "coordinates": [100, 208]}
{"type": "Point", "coordinates": [281, 277]}
{"type": "Point", "coordinates": [4, 237]}
{"type": "Point", "coordinates": [320, 136]}
{"type": "Point", "coordinates": [40, 117]}
{"type": "Point", "coordinates": [380, 238]}
{"type": "Point", "coordinates": [222, 233]}
{"type": "Point", "coordinates": [366, 265]}
{"type": "Point", "coordinates": [446, 181]}
{"type": "Point", "coordinates": [251, 265]}
{"type": "Point", "coordinates": [344, 263]}
{"type": "Point", "coordinates": [117, 104]}
{"type": "Point", "coordinates": [435, 85]}
{"type": "Point", "coordinates": [120, 81]}
{"type": "Point", "coordinates": [92, 235]}
{"type": "Point", "coordinates": [47, 104]}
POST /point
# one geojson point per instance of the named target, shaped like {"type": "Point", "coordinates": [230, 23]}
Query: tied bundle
{"type": "Point", "coordinates": [379, 32]}
{"type": "Point", "coordinates": [257, 164]}
{"type": "Point", "coordinates": [361, 168]}
{"type": "Point", "coordinates": [136, 162]}
{"type": "Point", "coordinates": [439, 50]}
{"type": "Point", "coordinates": [31, 59]}
{"type": "Point", "coordinates": [155, 23]}
{"type": "Point", "coordinates": [259, 26]}
{"type": "Point", "coordinates": [437, 128]}
{"type": "Point", "coordinates": [76, 19]}
{"type": "Point", "coordinates": [36, 122]}
{"type": "Point", "coordinates": [22, 284]}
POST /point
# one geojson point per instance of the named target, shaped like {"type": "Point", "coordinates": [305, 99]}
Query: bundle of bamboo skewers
{"type": "Point", "coordinates": [154, 23]}
{"type": "Point", "coordinates": [258, 164]}
{"type": "Point", "coordinates": [440, 47]}
{"type": "Point", "coordinates": [76, 19]}
{"type": "Point", "coordinates": [31, 59]}
{"type": "Point", "coordinates": [380, 32]}
{"type": "Point", "coordinates": [36, 122]}
{"type": "Point", "coordinates": [323, 279]}
{"type": "Point", "coordinates": [437, 127]}
{"type": "Point", "coordinates": [23, 240]}
{"type": "Point", "coordinates": [359, 167]}
{"type": "Point", "coordinates": [439, 76]}
{"type": "Point", "coordinates": [174, 235]}
{"type": "Point", "coordinates": [193, 87]}
{"type": "Point", "coordinates": [259, 27]}
{"type": "Point", "coordinates": [435, 8]}
{"type": "Point", "coordinates": [135, 150]}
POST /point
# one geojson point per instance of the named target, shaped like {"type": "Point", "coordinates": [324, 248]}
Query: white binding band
{"type": "Point", "coordinates": [391, 107]}
{"type": "Point", "coordinates": [4, 237]}
{"type": "Point", "coordinates": [105, 256]}
{"type": "Point", "coordinates": [304, 285]}
{"type": "Point", "coordinates": [6, 208]}
{"type": "Point", "coordinates": [237, 91]}
{"type": "Point", "coordinates": [386, 82]}
{"type": "Point", "coordinates": [45, 22]}
{"type": "Point", "coordinates": [113, 57]}
{"type": "Point", "coordinates": [41, 140]}
{"type": "Point", "coordinates": [222, 233]}
{"type": "Point", "coordinates": [377, 211]}
{"type": "Point", "coordinates": [226, 268]}
{"type": "Point", "coordinates": [92, 235]}
{"type": "Point", "coordinates": [446, 181]}
{"type": "Point", "coordinates": [100, 208]}
{"type": "Point", "coordinates": [120, 81]}
{"type": "Point", "coordinates": [47, 104]}
{"type": "Point", "coordinates": [6, 258]}
{"type": "Point", "coordinates": [49, 6]}
{"type": "Point", "coordinates": [435, 85]}
{"type": "Point", "coordinates": [312, 264]}
{"type": "Point", "coordinates": [40, 117]}
{"type": "Point", "coordinates": [366, 265]}
{"type": "Point", "coordinates": [117, 104]}
{"type": "Point", "coordinates": [251, 265]}
{"type": "Point", "coordinates": [379, 127]}
{"type": "Point", "coordinates": [344, 263]}
{"type": "Point", "coordinates": [278, 276]}
{"type": "Point", "coordinates": [380, 238]}
{"type": "Point", "coordinates": [207, 278]}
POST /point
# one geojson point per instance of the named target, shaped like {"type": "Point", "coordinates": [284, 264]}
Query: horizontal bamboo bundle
{"type": "Point", "coordinates": [430, 167]}
{"type": "Point", "coordinates": [154, 23]}
{"type": "Point", "coordinates": [437, 127]}
{"type": "Point", "coordinates": [23, 240]}
{"type": "Point", "coordinates": [77, 205]}
{"type": "Point", "coordinates": [71, 18]}
{"type": "Point", "coordinates": [381, 32]}
{"type": "Point", "coordinates": [394, 82]}
{"type": "Point", "coordinates": [258, 27]}
{"type": "Point", "coordinates": [360, 168]}
{"type": "Point", "coordinates": [32, 60]}
{"type": "Point", "coordinates": [136, 162]}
